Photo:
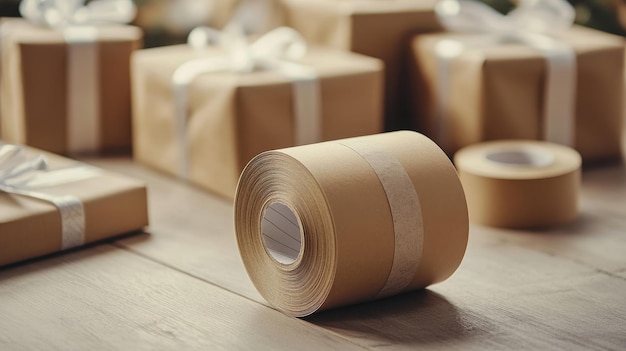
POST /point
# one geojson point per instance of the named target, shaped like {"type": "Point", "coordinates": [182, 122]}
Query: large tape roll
{"type": "Point", "coordinates": [520, 184]}
{"type": "Point", "coordinates": [346, 221]}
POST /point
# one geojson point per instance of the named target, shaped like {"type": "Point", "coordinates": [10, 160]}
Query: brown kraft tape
{"type": "Point", "coordinates": [520, 184]}
{"type": "Point", "coordinates": [341, 222]}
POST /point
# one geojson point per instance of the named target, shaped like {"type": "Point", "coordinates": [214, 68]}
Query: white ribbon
{"type": "Point", "coordinates": [273, 51]}
{"type": "Point", "coordinates": [77, 22]}
{"type": "Point", "coordinates": [533, 23]}
{"type": "Point", "coordinates": [20, 175]}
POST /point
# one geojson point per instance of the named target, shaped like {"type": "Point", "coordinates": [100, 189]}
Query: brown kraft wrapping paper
{"type": "Point", "coordinates": [346, 221]}
{"type": "Point", "coordinates": [233, 116]}
{"type": "Point", "coordinates": [29, 227]}
{"type": "Point", "coordinates": [520, 184]}
{"type": "Point", "coordinates": [497, 92]}
{"type": "Point", "coordinates": [257, 16]}
{"type": "Point", "coordinates": [34, 86]}
{"type": "Point", "coordinates": [380, 29]}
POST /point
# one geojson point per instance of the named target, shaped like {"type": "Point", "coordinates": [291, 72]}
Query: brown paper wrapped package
{"type": "Point", "coordinates": [380, 29]}
{"type": "Point", "coordinates": [257, 16]}
{"type": "Point", "coordinates": [34, 85]}
{"type": "Point", "coordinates": [497, 93]}
{"type": "Point", "coordinates": [30, 227]}
{"type": "Point", "coordinates": [233, 117]}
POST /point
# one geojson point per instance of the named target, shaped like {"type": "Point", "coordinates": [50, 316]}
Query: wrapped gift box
{"type": "Point", "coordinates": [234, 116]}
{"type": "Point", "coordinates": [59, 105]}
{"type": "Point", "coordinates": [375, 28]}
{"type": "Point", "coordinates": [497, 92]}
{"type": "Point", "coordinates": [31, 226]}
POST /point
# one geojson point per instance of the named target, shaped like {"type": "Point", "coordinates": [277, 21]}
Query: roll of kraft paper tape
{"type": "Point", "coordinates": [346, 221]}
{"type": "Point", "coordinates": [520, 184]}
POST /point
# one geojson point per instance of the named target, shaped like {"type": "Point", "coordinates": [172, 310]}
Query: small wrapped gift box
{"type": "Point", "coordinates": [49, 203]}
{"type": "Point", "coordinates": [67, 90]}
{"type": "Point", "coordinates": [380, 29]}
{"type": "Point", "coordinates": [229, 116]}
{"type": "Point", "coordinates": [564, 87]}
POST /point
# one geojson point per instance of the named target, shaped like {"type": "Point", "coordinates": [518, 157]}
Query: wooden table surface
{"type": "Point", "coordinates": [182, 286]}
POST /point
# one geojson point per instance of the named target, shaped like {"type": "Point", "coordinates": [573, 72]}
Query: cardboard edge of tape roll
{"type": "Point", "coordinates": [539, 190]}
{"type": "Point", "coordinates": [346, 219]}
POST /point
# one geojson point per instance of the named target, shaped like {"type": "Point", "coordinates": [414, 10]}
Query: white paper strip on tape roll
{"type": "Point", "coordinates": [346, 221]}
{"type": "Point", "coordinates": [520, 183]}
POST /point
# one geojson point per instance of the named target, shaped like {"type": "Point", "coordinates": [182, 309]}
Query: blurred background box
{"type": "Point", "coordinates": [234, 116]}
{"type": "Point", "coordinates": [497, 92]}
{"type": "Point", "coordinates": [379, 29]}
{"type": "Point", "coordinates": [35, 83]}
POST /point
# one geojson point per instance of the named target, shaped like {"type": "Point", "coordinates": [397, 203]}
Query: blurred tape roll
{"type": "Point", "coordinates": [520, 184]}
{"type": "Point", "coordinates": [340, 222]}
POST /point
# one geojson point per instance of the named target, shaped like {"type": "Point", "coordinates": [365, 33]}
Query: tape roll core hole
{"type": "Point", "coordinates": [282, 233]}
{"type": "Point", "coordinates": [521, 157]}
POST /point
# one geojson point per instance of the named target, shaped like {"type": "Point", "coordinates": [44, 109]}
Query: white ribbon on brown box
{"type": "Point", "coordinates": [534, 23]}
{"type": "Point", "coordinates": [78, 24]}
{"type": "Point", "coordinates": [276, 51]}
{"type": "Point", "coordinates": [21, 175]}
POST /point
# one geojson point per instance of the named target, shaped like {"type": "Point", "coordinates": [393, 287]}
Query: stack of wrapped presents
{"type": "Point", "coordinates": [268, 74]}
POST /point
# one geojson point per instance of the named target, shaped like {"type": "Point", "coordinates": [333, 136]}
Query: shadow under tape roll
{"type": "Point", "coordinates": [415, 318]}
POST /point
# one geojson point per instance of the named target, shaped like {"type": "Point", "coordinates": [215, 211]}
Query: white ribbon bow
{"type": "Point", "coordinates": [20, 175]}
{"type": "Point", "coordinates": [533, 23]}
{"type": "Point", "coordinates": [63, 13]}
{"type": "Point", "coordinates": [273, 51]}
{"type": "Point", "coordinates": [16, 169]}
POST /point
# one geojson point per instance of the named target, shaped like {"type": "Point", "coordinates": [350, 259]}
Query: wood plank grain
{"type": "Point", "coordinates": [555, 288]}
{"type": "Point", "coordinates": [106, 298]}
{"type": "Point", "coordinates": [191, 230]}
{"type": "Point", "coordinates": [596, 239]}
{"type": "Point", "coordinates": [502, 297]}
